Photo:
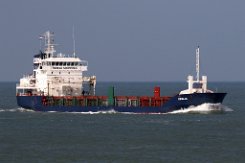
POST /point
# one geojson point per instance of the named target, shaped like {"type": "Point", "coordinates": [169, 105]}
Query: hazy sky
{"type": "Point", "coordinates": [129, 40]}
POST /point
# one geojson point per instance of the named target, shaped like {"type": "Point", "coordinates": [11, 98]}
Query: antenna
{"type": "Point", "coordinates": [197, 63]}
{"type": "Point", "coordinates": [74, 43]}
{"type": "Point", "coordinates": [40, 42]}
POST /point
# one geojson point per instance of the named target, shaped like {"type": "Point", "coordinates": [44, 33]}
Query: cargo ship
{"type": "Point", "coordinates": [58, 83]}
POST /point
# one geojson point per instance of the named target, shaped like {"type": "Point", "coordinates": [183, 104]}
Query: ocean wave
{"type": "Point", "coordinates": [206, 108]}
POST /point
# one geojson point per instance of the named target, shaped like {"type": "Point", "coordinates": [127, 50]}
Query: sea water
{"type": "Point", "coordinates": [207, 133]}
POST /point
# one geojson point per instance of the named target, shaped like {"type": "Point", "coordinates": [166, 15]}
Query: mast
{"type": "Point", "coordinates": [49, 43]}
{"type": "Point", "coordinates": [197, 64]}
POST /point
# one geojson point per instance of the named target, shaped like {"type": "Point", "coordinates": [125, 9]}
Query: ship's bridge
{"type": "Point", "coordinates": [72, 63]}
{"type": "Point", "coordinates": [59, 61]}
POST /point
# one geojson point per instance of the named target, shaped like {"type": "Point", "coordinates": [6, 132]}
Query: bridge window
{"type": "Point", "coordinates": [35, 65]}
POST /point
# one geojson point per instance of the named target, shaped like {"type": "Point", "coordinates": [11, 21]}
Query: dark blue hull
{"type": "Point", "coordinates": [175, 103]}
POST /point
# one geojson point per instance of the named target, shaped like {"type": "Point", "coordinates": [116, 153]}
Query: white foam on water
{"type": "Point", "coordinates": [112, 111]}
{"type": "Point", "coordinates": [16, 110]}
{"type": "Point", "coordinates": [205, 108]}
{"type": "Point", "coordinates": [24, 110]}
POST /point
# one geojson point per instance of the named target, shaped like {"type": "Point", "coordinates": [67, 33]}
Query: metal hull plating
{"type": "Point", "coordinates": [175, 103]}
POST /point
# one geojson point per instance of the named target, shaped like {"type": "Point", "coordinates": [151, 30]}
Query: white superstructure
{"type": "Point", "coordinates": [56, 74]}
{"type": "Point", "coordinates": [198, 85]}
